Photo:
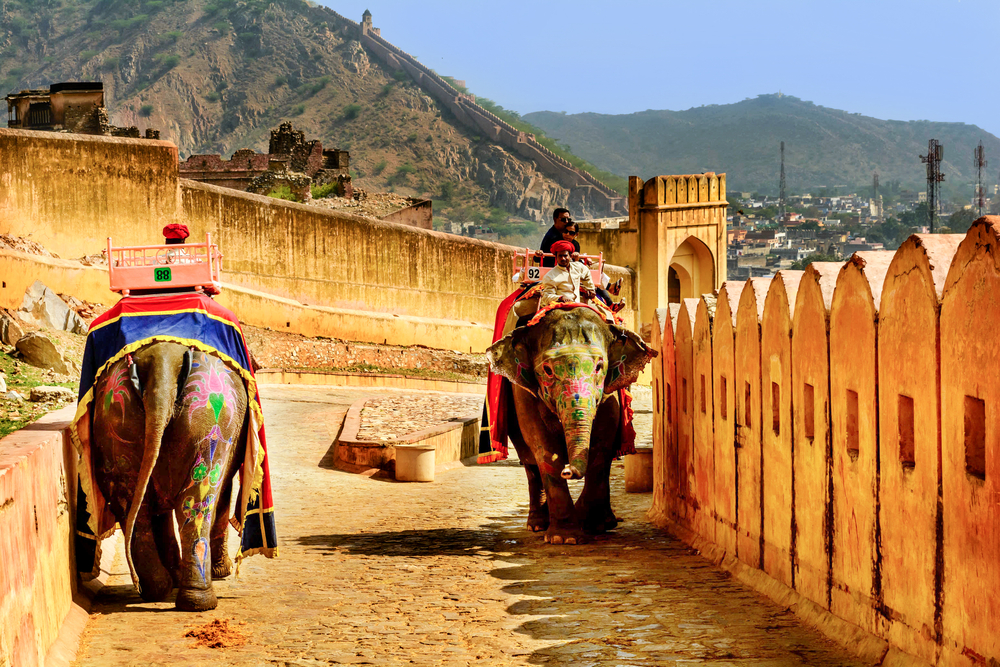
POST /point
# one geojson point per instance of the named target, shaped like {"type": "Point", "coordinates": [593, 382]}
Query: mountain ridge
{"type": "Point", "coordinates": [823, 146]}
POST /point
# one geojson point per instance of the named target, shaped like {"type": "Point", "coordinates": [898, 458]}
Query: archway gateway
{"type": "Point", "coordinates": [691, 272]}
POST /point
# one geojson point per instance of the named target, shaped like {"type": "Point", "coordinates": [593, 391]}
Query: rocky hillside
{"type": "Point", "coordinates": [823, 147]}
{"type": "Point", "coordinates": [217, 75]}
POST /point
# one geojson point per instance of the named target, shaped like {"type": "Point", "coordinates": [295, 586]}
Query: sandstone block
{"type": "Point", "coordinates": [41, 352]}
{"type": "Point", "coordinates": [45, 394]}
{"type": "Point", "coordinates": [10, 330]}
{"type": "Point", "coordinates": [43, 307]}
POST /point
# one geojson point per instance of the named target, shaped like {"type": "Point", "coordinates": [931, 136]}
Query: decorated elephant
{"type": "Point", "coordinates": [564, 415]}
{"type": "Point", "coordinates": [169, 427]}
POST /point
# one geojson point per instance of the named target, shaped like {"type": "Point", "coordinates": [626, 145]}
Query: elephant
{"type": "Point", "coordinates": [169, 429]}
{"type": "Point", "coordinates": [564, 418]}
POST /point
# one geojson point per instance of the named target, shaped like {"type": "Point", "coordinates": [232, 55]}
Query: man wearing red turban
{"type": "Point", "coordinates": [569, 280]}
{"type": "Point", "coordinates": [175, 233]}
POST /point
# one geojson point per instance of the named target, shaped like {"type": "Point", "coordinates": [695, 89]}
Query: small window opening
{"type": "Point", "coordinates": [975, 437]}
{"type": "Point", "coordinates": [809, 413]}
{"type": "Point", "coordinates": [670, 404]}
{"type": "Point", "coordinates": [746, 407]}
{"type": "Point", "coordinates": [907, 448]}
{"type": "Point", "coordinates": [776, 408]}
{"type": "Point", "coordinates": [723, 398]}
{"type": "Point", "coordinates": [853, 438]}
{"type": "Point", "coordinates": [656, 395]}
{"type": "Point", "coordinates": [703, 394]}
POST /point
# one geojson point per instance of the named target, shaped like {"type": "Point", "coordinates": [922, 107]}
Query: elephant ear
{"type": "Point", "coordinates": [628, 354]}
{"type": "Point", "coordinates": [509, 358]}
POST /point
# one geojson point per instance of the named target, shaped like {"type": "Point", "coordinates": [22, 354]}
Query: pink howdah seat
{"type": "Point", "coordinates": [165, 267]}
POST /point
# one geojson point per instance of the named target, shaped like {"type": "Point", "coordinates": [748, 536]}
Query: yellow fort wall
{"type": "Point", "coordinates": [876, 517]}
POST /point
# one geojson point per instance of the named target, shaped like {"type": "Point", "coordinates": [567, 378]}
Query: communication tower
{"type": "Point", "coordinates": [935, 153]}
{"type": "Point", "coordinates": [781, 188]}
{"type": "Point", "coordinates": [979, 161]}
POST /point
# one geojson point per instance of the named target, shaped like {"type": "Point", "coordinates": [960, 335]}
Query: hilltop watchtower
{"type": "Point", "coordinates": [366, 25]}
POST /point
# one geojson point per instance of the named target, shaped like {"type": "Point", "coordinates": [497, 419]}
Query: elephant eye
{"type": "Point", "coordinates": [547, 369]}
{"type": "Point", "coordinates": [599, 367]}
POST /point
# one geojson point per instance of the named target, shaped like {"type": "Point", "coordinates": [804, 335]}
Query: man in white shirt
{"type": "Point", "coordinates": [568, 281]}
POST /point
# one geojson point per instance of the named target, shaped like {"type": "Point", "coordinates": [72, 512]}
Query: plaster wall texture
{"type": "Point", "coordinates": [970, 463]}
{"type": "Point", "coordinates": [37, 571]}
{"type": "Point", "coordinates": [685, 406]}
{"type": "Point", "coordinates": [664, 447]}
{"type": "Point", "coordinates": [69, 192]}
{"type": "Point", "coordinates": [853, 410]}
{"type": "Point", "coordinates": [726, 393]}
{"type": "Point", "coordinates": [895, 456]}
{"type": "Point", "coordinates": [909, 437]}
{"type": "Point", "coordinates": [811, 431]}
{"type": "Point", "coordinates": [701, 483]}
{"type": "Point", "coordinates": [749, 417]}
{"type": "Point", "coordinates": [776, 431]}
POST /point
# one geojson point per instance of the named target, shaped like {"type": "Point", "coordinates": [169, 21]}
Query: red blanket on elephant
{"type": "Point", "coordinates": [194, 320]}
{"type": "Point", "coordinates": [493, 429]}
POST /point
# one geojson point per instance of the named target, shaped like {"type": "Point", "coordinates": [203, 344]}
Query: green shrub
{"type": "Point", "coordinates": [282, 192]}
{"type": "Point", "coordinates": [329, 190]}
{"type": "Point", "coordinates": [412, 136]}
{"type": "Point", "coordinates": [110, 63]}
{"type": "Point", "coordinates": [379, 167]}
{"type": "Point", "coordinates": [222, 27]}
{"type": "Point", "coordinates": [213, 96]}
{"type": "Point", "coordinates": [170, 62]}
{"type": "Point", "coordinates": [386, 89]}
{"type": "Point", "coordinates": [299, 110]}
{"type": "Point", "coordinates": [400, 75]}
{"type": "Point", "coordinates": [280, 80]}
{"type": "Point", "coordinates": [173, 35]}
{"type": "Point", "coordinates": [146, 110]}
{"type": "Point", "coordinates": [87, 55]}
{"type": "Point", "coordinates": [351, 111]}
{"type": "Point", "coordinates": [222, 85]}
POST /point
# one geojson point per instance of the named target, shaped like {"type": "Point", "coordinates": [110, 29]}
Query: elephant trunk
{"type": "Point", "coordinates": [577, 445]}
{"type": "Point", "coordinates": [159, 396]}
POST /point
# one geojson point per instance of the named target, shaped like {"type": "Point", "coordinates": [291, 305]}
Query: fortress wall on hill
{"type": "Point", "coordinates": [863, 437]}
{"type": "Point", "coordinates": [69, 192]}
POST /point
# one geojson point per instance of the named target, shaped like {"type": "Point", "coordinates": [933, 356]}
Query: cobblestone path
{"type": "Point", "coordinates": [385, 573]}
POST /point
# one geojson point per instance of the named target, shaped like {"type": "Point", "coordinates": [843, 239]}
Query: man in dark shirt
{"type": "Point", "coordinates": [560, 218]}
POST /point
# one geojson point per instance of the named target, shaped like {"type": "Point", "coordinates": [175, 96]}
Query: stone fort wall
{"type": "Point", "coordinates": [835, 433]}
{"type": "Point", "coordinates": [69, 193]}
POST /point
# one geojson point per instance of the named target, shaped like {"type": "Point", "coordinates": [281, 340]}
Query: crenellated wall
{"type": "Point", "coordinates": [847, 457]}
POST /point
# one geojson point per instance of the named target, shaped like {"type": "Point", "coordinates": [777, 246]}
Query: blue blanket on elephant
{"type": "Point", "coordinates": [194, 320]}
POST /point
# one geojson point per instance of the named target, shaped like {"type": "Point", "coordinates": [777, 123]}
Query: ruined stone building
{"type": "Point", "coordinates": [76, 106]}
{"type": "Point", "coordinates": [290, 160]}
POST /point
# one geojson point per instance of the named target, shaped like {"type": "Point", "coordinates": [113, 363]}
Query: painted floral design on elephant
{"type": "Point", "coordinates": [208, 387]}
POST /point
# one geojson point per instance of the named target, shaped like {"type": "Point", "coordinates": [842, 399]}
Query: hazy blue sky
{"type": "Point", "coordinates": [895, 59]}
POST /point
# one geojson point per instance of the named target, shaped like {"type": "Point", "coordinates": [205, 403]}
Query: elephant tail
{"type": "Point", "coordinates": [159, 395]}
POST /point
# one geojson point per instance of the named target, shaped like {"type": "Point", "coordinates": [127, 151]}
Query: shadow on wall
{"type": "Point", "coordinates": [799, 432]}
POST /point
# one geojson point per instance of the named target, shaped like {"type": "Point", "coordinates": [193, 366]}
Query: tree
{"type": "Point", "coordinates": [815, 257]}
{"type": "Point", "coordinates": [960, 221]}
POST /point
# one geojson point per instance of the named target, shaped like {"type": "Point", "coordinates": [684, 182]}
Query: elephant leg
{"type": "Point", "coordinates": [222, 565]}
{"type": "Point", "coordinates": [538, 509]}
{"type": "Point", "coordinates": [593, 507]}
{"type": "Point", "coordinates": [155, 580]}
{"type": "Point", "coordinates": [195, 591]}
{"type": "Point", "coordinates": [166, 543]}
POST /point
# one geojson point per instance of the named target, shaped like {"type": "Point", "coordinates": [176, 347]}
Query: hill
{"type": "Point", "coordinates": [217, 75]}
{"type": "Point", "coordinates": [823, 147]}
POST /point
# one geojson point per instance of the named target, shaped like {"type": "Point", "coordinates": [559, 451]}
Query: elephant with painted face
{"type": "Point", "coordinates": [564, 417]}
{"type": "Point", "coordinates": [168, 436]}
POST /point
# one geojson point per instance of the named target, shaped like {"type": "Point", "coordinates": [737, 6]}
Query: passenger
{"type": "Point", "coordinates": [560, 219]}
{"type": "Point", "coordinates": [604, 291]}
{"type": "Point", "coordinates": [174, 234]}
{"type": "Point", "coordinates": [568, 281]}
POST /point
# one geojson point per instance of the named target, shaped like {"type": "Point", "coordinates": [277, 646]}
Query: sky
{"type": "Point", "coordinates": [891, 59]}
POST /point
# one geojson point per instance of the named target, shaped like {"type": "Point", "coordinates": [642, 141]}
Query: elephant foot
{"type": "Point", "coordinates": [196, 599]}
{"type": "Point", "coordinates": [156, 587]}
{"type": "Point", "coordinates": [557, 535]}
{"type": "Point", "coordinates": [223, 568]}
{"type": "Point", "coordinates": [602, 523]}
{"type": "Point", "coordinates": [538, 521]}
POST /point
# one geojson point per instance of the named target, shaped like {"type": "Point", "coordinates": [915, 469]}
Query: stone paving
{"type": "Point", "coordinates": [386, 573]}
{"type": "Point", "coordinates": [390, 417]}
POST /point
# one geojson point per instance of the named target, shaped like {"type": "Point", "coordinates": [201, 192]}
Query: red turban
{"type": "Point", "coordinates": [559, 246]}
{"type": "Point", "coordinates": [176, 230]}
